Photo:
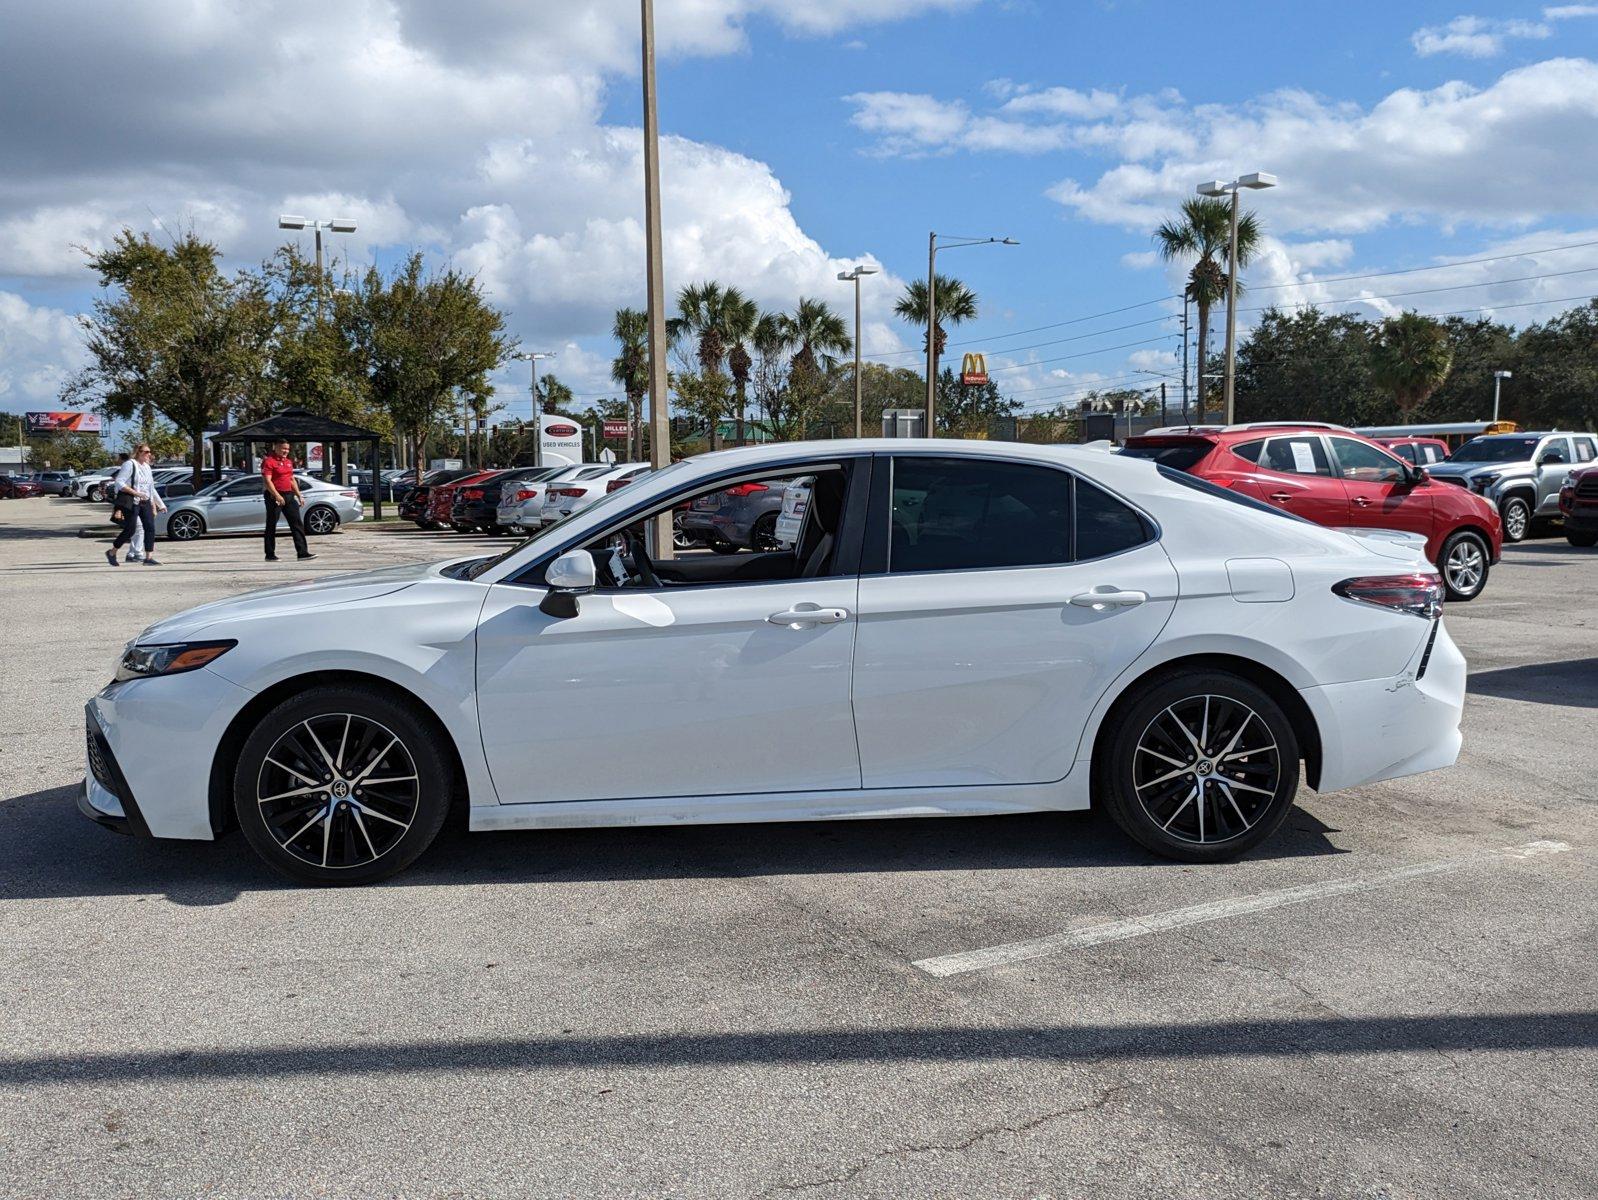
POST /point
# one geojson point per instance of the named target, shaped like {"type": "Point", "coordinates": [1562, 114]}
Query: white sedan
{"type": "Point", "coordinates": [565, 497]}
{"type": "Point", "coordinates": [959, 628]}
{"type": "Point", "coordinates": [521, 508]}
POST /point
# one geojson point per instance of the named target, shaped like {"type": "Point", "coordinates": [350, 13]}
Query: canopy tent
{"type": "Point", "coordinates": [299, 425]}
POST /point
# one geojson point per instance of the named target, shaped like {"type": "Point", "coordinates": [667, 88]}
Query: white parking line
{"type": "Point", "coordinates": [1175, 918]}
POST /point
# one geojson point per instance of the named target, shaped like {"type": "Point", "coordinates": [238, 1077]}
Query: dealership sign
{"type": "Point", "coordinates": [973, 370]}
{"type": "Point", "coordinates": [63, 422]}
{"type": "Point", "coordinates": [617, 428]}
{"type": "Point", "coordinates": [560, 441]}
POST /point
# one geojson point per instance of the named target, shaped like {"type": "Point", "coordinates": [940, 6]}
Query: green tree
{"type": "Point", "coordinates": [630, 368]}
{"type": "Point", "coordinates": [1305, 364]}
{"type": "Point", "coordinates": [712, 318]}
{"type": "Point", "coordinates": [170, 334]}
{"type": "Point", "coordinates": [310, 360]}
{"type": "Point", "coordinates": [421, 341]}
{"type": "Point", "coordinates": [1202, 232]}
{"type": "Point", "coordinates": [1556, 372]}
{"type": "Point", "coordinates": [742, 320]}
{"type": "Point", "coordinates": [957, 304]}
{"type": "Point", "coordinates": [69, 451]}
{"type": "Point", "coordinates": [1410, 358]}
{"type": "Point", "coordinates": [970, 411]}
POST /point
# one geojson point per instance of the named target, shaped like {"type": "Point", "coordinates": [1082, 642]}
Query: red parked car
{"type": "Point", "coordinates": [441, 499]}
{"type": "Point", "coordinates": [18, 487]}
{"type": "Point", "coordinates": [1333, 476]}
{"type": "Point", "coordinates": [1578, 504]}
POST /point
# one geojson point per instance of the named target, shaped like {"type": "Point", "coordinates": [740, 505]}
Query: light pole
{"type": "Point", "coordinates": [846, 277]}
{"type": "Point", "coordinates": [1259, 179]}
{"type": "Point", "coordinates": [532, 357]}
{"type": "Point", "coordinates": [933, 246]}
{"type": "Point", "coordinates": [659, 418]}
{"type": "Point", "coordinates": [336, 225]}
{"type": "Point", "coordinates": [1498, 382]}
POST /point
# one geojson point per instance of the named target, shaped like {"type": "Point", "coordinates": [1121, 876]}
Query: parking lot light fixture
{"type": "Point", "coordinates": [532, 357]}
{"type": "Point", "coordinates": [855, 276]}
{"type": "Point", "coordinates": [1255, 181]}
{"type": "Point", "coordinates": [334, 225]}
{"type": "Point", "coordinates": [934, 244]}
{"type": "Point", "coordinates": [1498, 383]}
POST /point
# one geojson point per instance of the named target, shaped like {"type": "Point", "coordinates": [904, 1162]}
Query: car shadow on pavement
{"type": "Point", "coordinates": [1096, 1043]}
{"type": "Point", "coordinates": [1573, 684]}
{"type": "Point", "coordinates": [49, 850]}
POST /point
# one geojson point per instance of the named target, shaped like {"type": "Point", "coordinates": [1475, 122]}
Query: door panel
{"type": "Point", "coordinates": [984, 677]}
{"type": "Point", "coordinates": [683, 691]}
{"type": "Point", "coordinates": [1296, 475]}
{"type": "Point", "coordinates": [1379, 496]}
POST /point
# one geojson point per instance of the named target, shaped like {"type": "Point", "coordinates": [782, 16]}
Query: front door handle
{"type": "Point", "coordinates": [1100, 599]}
{"type": "Point", "coordinates": [1281, 497]}
{"type": "Point", "coordinates": [1362, 501]}
{"type": "Point", "coordinates": [806, 615]}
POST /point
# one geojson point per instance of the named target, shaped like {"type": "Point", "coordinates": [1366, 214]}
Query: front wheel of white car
{"type": "Point", "coordinates": [185, 526]}
{"type": "Point", "coordinates": [341, 784]}
{"type": "Point", "coordinates": [1200, 767]}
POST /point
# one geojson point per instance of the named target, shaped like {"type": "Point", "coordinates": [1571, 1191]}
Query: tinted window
{"type": "Point", "coordinates": [1495, 449]}
{"type": "Point", "coordinates": [960, 514]}
{"type": "Point", "coordinates": [1407, 452]}
{"type": "Point", "coordinates": [1559, 446]}
{"type": "Point", "coordinates": [1104, 525]}
{"type": "Point", "coordinates": [1584, 449]}
{"type": "Point", "coordinates": [1295, 456]}
{"type": "Point", "coordinates": [252, 486]}
{"type": "Point", "coordinates": [1249, 451]}
{"type": "Point", "coordinates": [1181, 455]}
{"type": "Point", "coordinates": [1364, 463]}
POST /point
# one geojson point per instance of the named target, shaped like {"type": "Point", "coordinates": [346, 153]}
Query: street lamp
{"type": "Point", "coordinates": [933, 246]}
{"type": "Point", "coordinates": [336, 225]}
{"type": "Point", "coordinates": [1260, 179]}
{"type": "Point", "coordinates": [854, 277]}
{"type": "Point", "coordinates": [532, 356]}
{"type": "Point", "coordinates": [1498, 382]}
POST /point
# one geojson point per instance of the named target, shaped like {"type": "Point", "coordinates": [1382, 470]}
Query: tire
{"type": "Point", "coordinates": [763, 537]}
{"type": "Point", "coordinates": [1464, 566]}
{"type": "Point", "coordinates": [1584, 540]}
{"type": "Point", "coordinates": [366, 834]}
{"type": "Point", "coordinates": [320, 521]}
{"type": "Point", "coordinates": [94, 493]}
{"type": "Point", "coordinates": [185, 526]}
{"type": "Point", "coordinates": [1145, 745]}
{"type": "Point", "coordinates": [1515, 512]}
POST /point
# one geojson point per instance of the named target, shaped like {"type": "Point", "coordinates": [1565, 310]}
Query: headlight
{"type": "Point", "coordinates": [143, 662]}
{"type": "Point", "coordinates": [1482, 482]}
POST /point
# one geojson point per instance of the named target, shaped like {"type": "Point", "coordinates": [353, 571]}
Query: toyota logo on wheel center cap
{"type": "Point", "coordinates": [341, 789]}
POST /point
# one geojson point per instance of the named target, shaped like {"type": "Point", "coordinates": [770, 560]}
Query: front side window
{"type": "Point", "coordinates": [1555, 450]}
{"type": "Point", "coordinates": [253, 486]}
{"type": "Point", "coordinates": [1364, 463]}
{"type": "Point", "coordinates": [953, 514]}
{"type": "Point", "coordinates": [1407, 452]}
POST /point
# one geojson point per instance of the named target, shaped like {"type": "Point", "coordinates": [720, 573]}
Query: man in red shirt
{"type": "Point", "coordinates": [282, 496]}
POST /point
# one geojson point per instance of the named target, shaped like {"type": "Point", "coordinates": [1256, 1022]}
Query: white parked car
{"type": "Point", "coordinates": [565, 497]}
{"type": "Point", "coordinates": [238, 505]}
{"type": "Point", "coordinates": [522, 511]}
{"type": "Point", "coordinates": [959, 628]}
{"type": "Point", "coordinates": [91, 484]}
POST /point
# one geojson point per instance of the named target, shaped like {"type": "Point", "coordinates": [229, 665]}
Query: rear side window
{"type": "Point", "coordinates": [961, 514]}
{"type": "Point", "coordinates": [1183, 455]}
{"type": "Point", "coordinates": [1104, 525]}
{"type": "Point", "coordinates": [1249, 451]}
{"type": "Point", "coordinates": [1584, 449]}
{"type": "Point", "coordinates": [1295, 456]}
{"type": "Point", "coordinates": [1406, 452]}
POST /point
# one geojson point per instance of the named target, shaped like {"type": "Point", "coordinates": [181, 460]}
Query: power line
{"type": "Point", "coordinates": [1464, 262]}
{"type": "Point", "coordinates": [1458, 287]}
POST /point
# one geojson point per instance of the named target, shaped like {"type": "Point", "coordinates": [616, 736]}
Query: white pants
{"type": "Point", "coordinates": [136, 543]}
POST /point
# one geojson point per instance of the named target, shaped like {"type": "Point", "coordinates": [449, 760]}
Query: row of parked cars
{"type": "Point", "coordinates": [1462, 506]}
{"type": "Point", "coordinates": [512, 500]}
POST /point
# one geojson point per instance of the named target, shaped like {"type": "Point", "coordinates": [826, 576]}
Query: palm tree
{"type": "Point", "coordinates": [956, 305]}
{"type": "Point", "coordinates": [817, 334]}
{"type": "Point", "coordinates": [710, 314]}
{"type": "Point", "coordinates": [630, 367]}
{"type": "Point", "coordinates": [1202, 231]}
{"type": "Point", "coordinates": [1410, 357]}
{"type": "Point", "coordinates": [742, 320]}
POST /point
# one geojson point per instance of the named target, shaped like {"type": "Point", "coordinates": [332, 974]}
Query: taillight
{"type": "Point", "coordinates": [568, 491]}
{"type": "Point", "coordinates": [351, 492]}
{"type": "Point", "coordinates": [526, 493]}
{"type": "Point", "coordinates": [616, 483]}
{"type": "Point", "coordinates": [1420, 595]}
{"type": "Point", "coordinates": [745, 489]}
{"type": "Point", "coordinates": [472, 494]}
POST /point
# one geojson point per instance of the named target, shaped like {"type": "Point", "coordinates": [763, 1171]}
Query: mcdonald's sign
{"type": "Point", "coordinates": [973, 370]}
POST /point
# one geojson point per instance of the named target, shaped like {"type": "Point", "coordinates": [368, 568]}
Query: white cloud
{"type": "Point", "coordinates": [1064, 102]}
{"type": "Point", "coordinates": [1140, 260]}
{"type": "Point", "coordinates": [475, 129]}
{"type": "Point", "coordinates": [910, 124]}
{"type": "Point", "coordinates": [1473, 37]}
{"type": "Point", "coordinates": [1565, 12]}
{"type": "Point", "coordinates": [39, 349]}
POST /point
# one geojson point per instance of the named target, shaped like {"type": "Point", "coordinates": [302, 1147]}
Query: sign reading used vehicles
{"type": "Point", "coordinates": [560, 441]}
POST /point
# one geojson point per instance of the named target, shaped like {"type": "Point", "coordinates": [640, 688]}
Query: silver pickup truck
{"type": "Point", "coordinates": [1519, 472]}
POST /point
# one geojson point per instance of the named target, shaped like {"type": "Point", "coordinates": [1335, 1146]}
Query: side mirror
{"type": "Point", "coordinates": [568, 577]}
{"type": "Point", "coordinates": [1418, 475]}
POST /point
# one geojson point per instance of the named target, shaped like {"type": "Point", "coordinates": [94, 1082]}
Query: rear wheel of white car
{"type": "Point", "coordinates": [321, 520]}
{"type": "Point", "coordinates": [1463, 563]}
{"type": "Point", "coordinates": [1200, 767]}
{"type": "Point", "coordinates": [341, 784]}
{"type": "Point", "coordinates": [1515, 513]}
{"type": "Point", "coordinates": [185, 526]}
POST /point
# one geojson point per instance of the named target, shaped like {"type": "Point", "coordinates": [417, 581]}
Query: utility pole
{"type": "Point", "coordinates": [659, 418]}
{"type": "Point", "coordinates": [1162, 404]}
{"type": "Point", "coordinates": [847, 276]}
{"type": "Point", "coordinates": [1260, 179]}
{"type": "Point", "coordinates": [1498, 382]}
{"type": "Point", "coordinates": [532, 357]}
{"type": "Point", "coordinates": [1187, 297]}
{"type": "Point", "coordinates": [932, 312]}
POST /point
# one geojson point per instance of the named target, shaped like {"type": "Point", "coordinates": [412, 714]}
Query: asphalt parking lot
{"type": "Point", "coordinates": [1396, 997]}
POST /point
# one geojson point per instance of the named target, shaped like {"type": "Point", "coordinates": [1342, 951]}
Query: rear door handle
{"type": "Point", "coordinates": [1362, 501]}
{"type": "Point", "coordinates": [805, 615]}
{"type": "Point", "coordinates": [1100, 599]}
{"type": "Point", "coordinates": [1281, 497]}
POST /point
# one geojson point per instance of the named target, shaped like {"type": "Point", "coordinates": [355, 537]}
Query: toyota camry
{"type": "Point", "coordinates": [935, 628]}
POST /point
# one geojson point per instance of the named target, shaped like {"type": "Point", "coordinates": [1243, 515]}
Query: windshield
{"type": "Point", "coordinates": [611, 500]}
{"type": "Point", "coordinates": [1495, 449]}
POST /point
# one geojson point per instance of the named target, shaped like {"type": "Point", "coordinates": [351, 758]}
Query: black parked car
{"type": "Point", "coordinates": [476, 508]}
{"type": "Point", "coordinates": [413, 500]}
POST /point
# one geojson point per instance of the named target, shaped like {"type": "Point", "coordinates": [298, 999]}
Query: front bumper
{"type": "Point", "coordinates": [1376, 729]}
{"type": "Point", "coordinates": [1580, 517]}
{"type": "Point", "coordinates": [106, 798]}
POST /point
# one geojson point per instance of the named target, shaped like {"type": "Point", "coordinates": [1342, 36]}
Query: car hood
{"type": "Point", "coordinates": [299, 596]}
{"type": "Point", "coordinates": [1464, 470]}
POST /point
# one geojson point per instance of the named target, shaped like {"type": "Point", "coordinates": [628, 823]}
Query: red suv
{"type": "Point", "coordinates": [1578, 504]}
{"type": "Point", "coordinates": [1333, 476]}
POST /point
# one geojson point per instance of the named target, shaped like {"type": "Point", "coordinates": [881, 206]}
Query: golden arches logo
{"type": "Point", "coordinates": [973, 370]}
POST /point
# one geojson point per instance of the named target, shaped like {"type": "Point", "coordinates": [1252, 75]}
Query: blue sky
{"type": "Point", "coordinates": [803, 138]}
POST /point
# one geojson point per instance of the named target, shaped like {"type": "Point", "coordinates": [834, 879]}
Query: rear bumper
{"type": "Point", "coordinates": [1377, 729]}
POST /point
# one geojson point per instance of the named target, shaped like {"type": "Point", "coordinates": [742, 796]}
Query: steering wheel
{"type": "Point", "coordinates": [633, 550]}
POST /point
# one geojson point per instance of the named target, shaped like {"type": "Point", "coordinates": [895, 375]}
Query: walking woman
{"type": "Point", "coordinates": [136, 500]}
